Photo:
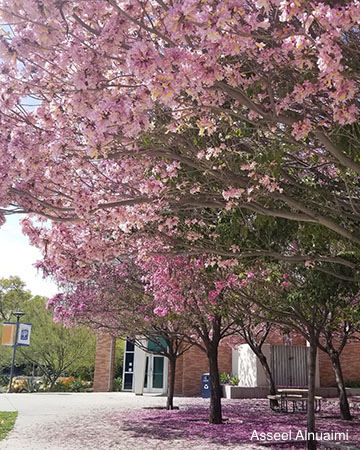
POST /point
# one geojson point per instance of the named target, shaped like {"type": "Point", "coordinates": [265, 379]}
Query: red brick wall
{"type": "Point", "coordinates": [104, 363]}
{"type": "Point", "coordinates": [178, 375]}
{"type": "Point", "coordinates": [274, 338]}
{"type": "Point", "coordinates": [225, 358]}
{"type": "Point", "coordinates": [193, 363]}
{"type": "Point", "coordinates": [350, 364]}
{"type": "Point", "coordinates": [277, 338]}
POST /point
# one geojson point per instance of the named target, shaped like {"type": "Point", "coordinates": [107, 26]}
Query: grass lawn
{"type": "Point", "coordinates": [7, 420]}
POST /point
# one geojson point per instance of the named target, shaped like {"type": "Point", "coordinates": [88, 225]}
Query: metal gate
{"type": "Point", "coordinates": [289, 365]}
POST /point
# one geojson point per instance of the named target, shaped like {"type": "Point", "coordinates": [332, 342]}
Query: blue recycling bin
{"type": "Point", "coordinates": [205, 385]}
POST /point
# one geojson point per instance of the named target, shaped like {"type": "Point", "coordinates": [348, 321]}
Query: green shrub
{"type": "Point", "coordinates": [78, 386]}
{"type": "Point", "coordinates": [353, 384]}
{"type": "Point", "coordinates": [35, 385]}
{"type": "Point", "coordinates": [4, 380]}
{"type": "Point", "coordinates": [59, 387]}
{"type": "Point", "coordinates": [85, 373]}
{"type": "Point", "coordinates": [117, 384]}
{"type": "Point", "coordinates": [226, 378]}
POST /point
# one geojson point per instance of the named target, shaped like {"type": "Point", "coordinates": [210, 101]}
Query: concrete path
{"type": "Point", "coordinates": [90, 421]}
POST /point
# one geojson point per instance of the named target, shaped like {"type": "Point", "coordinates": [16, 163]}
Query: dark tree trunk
{"type": "Point", "coordinates": [171, 387]}
{"type": "Point", "coordinates": [344, 404]}
{"type": "Point", "coordinates": [215, 387]}
{"type": "Point", "coordinates": [311, 441]}
{"type": "Point", "coordinates": [268, 374]}
{"type": "Point", "coordinates": [269, 377]}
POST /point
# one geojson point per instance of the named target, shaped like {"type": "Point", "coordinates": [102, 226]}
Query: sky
{"type": "Point", "coordinates": [18, 256]}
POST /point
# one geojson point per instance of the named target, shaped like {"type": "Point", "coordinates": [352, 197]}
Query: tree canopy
{"type": "Point", "coordinates": [216, 132]}
{"type": "Point", "coordinates": [13, 293]}
{"type": "Point", "coordinates": [202, 110]}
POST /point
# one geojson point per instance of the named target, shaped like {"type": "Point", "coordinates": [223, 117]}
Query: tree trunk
{"type": "Point", "coordinates": [311, 441]}
{"type": "Point", "coordinates": [269, 377]}
{"type": "Point", "coordinates": [215, 387]}
{"type": "Point", "coordinates": [268, 374]}
{"type": "Point", "coordinates": [171, 387]}
{"type": "Point", "coordinates": [52, 382]}
{"type": "Point", "coordinates": [344, 404]}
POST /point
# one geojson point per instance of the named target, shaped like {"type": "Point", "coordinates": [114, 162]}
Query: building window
{"type": "Point", "coordinates": [128, 375]}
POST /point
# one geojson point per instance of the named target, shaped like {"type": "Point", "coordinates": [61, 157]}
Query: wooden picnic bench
{"type": "Point", "coordinates": [292, 400]}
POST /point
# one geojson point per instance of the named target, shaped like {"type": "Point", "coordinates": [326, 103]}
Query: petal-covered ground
{"type": "Point", "coordinates": [244, 421]}
{"type": "Point", "coordinates": [123, 421]}
{"type": "Point", "coordinates": [151, 428]}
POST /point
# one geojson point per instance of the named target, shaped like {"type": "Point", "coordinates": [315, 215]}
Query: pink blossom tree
{"type": "Point", "coordinates": [196, 289]}
{"type": "Point", "coordinates": [113, 301]}
{"type": "Point", "coordinates": [226, 105]}
{"type": "Point", "coordinates": [316, 305]}
{"type": "Point", "coordinates": [128, 123]}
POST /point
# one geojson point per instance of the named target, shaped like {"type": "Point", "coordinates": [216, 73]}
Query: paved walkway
{"type": "Point", "coordinates": [91, 421]}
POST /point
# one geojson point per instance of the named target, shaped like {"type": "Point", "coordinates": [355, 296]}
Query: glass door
{"type": "Point", "coordinates": [157, 377]}
{"type": "Point", "coordinates": [154, 373]}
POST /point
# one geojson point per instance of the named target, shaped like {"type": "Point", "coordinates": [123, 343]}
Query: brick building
{"type": "Point", "coordinates": [144, 372]}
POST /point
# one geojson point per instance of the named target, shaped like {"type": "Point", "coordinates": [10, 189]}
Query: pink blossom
{"type": "Point", "coordinates": [250, 274]}
{"type": "Point", "coordinates": [212, 295]}
{"type": "Point", "coordinates": [220, 285]}
{"type": "Point", "coordinates": [301, 129]}
{"type": "Point", "coordinates": [160, 311]}
{"type": "Point", "coordinates": [233, 193]}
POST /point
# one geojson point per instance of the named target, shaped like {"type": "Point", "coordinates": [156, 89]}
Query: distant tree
{"type": "Point", "coordinates": [5, 358]}
{"type": "Point", "coordinates": [13, 293]}
{"type": "Point", "coordinates": [55, 349]}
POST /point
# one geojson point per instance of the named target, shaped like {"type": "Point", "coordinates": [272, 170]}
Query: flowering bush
{"type": "Point", "coordinates": [18, 385]}
{"type": "Point", "coordinates": [66, 381]}
{"type": "Point", "coordinates": [71, 384]}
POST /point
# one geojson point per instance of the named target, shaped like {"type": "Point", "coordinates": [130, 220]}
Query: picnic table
{"type": "Point", "coordinates": [292, 400]}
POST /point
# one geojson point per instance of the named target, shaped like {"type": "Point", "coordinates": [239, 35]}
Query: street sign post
{"type": "Point", "coordinates": [17, 314]}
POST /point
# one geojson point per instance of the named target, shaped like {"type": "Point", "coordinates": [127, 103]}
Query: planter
{"type": "Point", "coordinates": [226, 390]}
{"type": "Point", "coordinates": [244, 392]}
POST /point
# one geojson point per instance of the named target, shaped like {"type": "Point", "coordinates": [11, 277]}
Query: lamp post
{"type": "Point", "coordinates": [17, 314]}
